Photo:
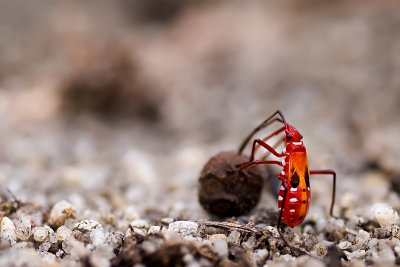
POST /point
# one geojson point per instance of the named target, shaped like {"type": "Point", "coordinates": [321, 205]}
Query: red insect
{"type": "Point", "coordinates": [294, 193]}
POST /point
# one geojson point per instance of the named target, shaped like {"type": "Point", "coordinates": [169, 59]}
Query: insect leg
{"type": "Point", "coordinates": [259, 142]}
{"type": "Point", "coordinates": [257, 162]}
{"type": "Point", "coordinates": [280, 215]}
{"type": "Point", "coordinates": [264, 124]}
{"type": "Point", "coordinates": [252, 162]}
{"type": "Point", "coordinates": [333, 173]}
{"type": "Point", "coordinates": [274, 147]}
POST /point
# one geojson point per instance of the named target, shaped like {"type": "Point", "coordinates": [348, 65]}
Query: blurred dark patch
{"type": "Point", "coordinates": [110, 86]}
{"type": "Point", "coordinates": [154, 216]}
{"type": "Point", "coordinates": [238, 255]}
{"type": "Point", "coordinates": [172, 253]}
{"type": "Point", "coordinates": [154, 11]}
{"type": "Point", "coordinates": [395, 182]}
{"type": "Point", "coordinates": [371, 165]}
{"type": "Point", "coordinates": [334, 256]}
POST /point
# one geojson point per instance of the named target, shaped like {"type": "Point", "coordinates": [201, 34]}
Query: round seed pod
{"type": "Point", "coordinates": [224, 192]}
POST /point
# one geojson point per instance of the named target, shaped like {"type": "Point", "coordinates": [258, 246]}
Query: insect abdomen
{"type": "Point", "coordinates": [296, 205]}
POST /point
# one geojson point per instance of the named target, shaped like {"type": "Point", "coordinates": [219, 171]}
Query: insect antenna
{"type": "Point", "coordinates": [264, 124]}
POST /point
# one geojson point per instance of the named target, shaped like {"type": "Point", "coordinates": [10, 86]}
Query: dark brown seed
{"type": "Point", "coordinates": [224, 192]}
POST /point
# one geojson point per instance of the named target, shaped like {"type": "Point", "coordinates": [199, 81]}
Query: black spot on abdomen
{"type": "Point", "coordinates": [307, 177]}
{"type": "Point", "coordinates": [294, 179]}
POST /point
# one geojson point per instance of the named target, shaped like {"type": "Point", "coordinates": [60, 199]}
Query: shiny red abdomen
{"type": "Point", "coordinates": [295, 179]}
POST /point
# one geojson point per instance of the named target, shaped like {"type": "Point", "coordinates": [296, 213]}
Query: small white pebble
{"type": "Point", "coordinates": [97, 237]}
{"type": "Point", "coordinates": [216, 237]}
{"type": "Point", "coordinates": [115, 239]}
{"type": "Point", "coordinates": [78, 249]}
{"type": "Point", "coordinates": [62, 233]}
{"type": "Point", "coordinates": [154, 229]}
{"type": "Point", "coordinates": [87, 225]}
{"type": "Point", "coordinates": [23, 227]}
{"type": "Point", "coordinates": [386, 257]}
{"type": "Point", "coordinates": [48, 259]}
{"type": "Point", "coordinates": [373, 242]}
{"type": "Point", "coordinates": [6, 224]}
{"type": "Point", "coordinates": [183, 228]}
{"type": "Point", "coordinates": [52, 235]}
{"type": "Point", "coordinates": [24, 245]}
{"type": "Point", "coordinates": [221, 248]}
{"type": "Point", "coordinates": [40, 234]}
{"type": "Point", "coordinates": [234, 237]}
{"type": "Point", "coordinates": [358, 254]}
{"type": "Point", "coordinates": [338, 224]}
{"type": "Point", "coordinates": [7, 233]}
{"type": "Point", "coordinates": [44, 247]}
{"type": "Point", "coordinates": [102, 256]}
{"type": "Point", "coordinates": [395, 229]}
{"type": "Point", "coordinates": [61, 211]}
{"type": "Point", "coordinates": [344, 245]}
{"type": "Point", "coordinates": [250, 244]}
{"type": "Point", "coordinates": [259, 256]}
{"type": "Point", "coordinates": [362, 239]}
{"type": "Point", "coordinates": [67, 244]}
{"type": "Point", "coordinates": [384, 214]}
{"type": "Point", "coordinates": [321, 249]}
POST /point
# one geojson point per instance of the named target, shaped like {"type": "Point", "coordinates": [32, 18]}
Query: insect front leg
{"type": "Point", "coordinates": [256, 162]}
{"type": "Point", "coordinates": [275, 147]}
{"type": "Point", "coordinates": [333, 173]}
{"type": "Point", "coordinates": [263, 125]}
{"type": "Point", "coordinates": [259, 142]}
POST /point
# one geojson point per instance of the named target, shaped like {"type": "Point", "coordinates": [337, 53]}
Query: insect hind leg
{"type": "Point", "coordinates": [333, 173]}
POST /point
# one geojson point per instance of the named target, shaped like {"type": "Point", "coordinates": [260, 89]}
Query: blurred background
{"type": "Point", "coordinates": [115, 106]}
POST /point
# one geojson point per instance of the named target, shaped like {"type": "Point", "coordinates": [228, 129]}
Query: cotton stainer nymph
{"type": "Point", "coordinates": [294, 194]}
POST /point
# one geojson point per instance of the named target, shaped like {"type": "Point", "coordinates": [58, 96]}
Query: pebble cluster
{"type": "Point", "coordinates": [64, 240]}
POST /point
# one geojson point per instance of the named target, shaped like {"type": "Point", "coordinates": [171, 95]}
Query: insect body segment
{"type": "Point", "coordinates": [294, 195]}
{"type": "Point", "coordinates": [295, 176]}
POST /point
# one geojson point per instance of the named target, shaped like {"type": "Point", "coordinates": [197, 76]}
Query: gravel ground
{"type": "Point", "coordinates": [109, 113]}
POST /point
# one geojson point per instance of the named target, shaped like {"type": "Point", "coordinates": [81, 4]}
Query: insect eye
{"type": "Point", "coordinates": [289, 136]}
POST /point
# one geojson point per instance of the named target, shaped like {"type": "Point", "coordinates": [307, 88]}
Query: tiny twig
{"type": "Point", "coordinates": [255, 230]}
{"type": "Point", "coordinates": [232, 226]}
